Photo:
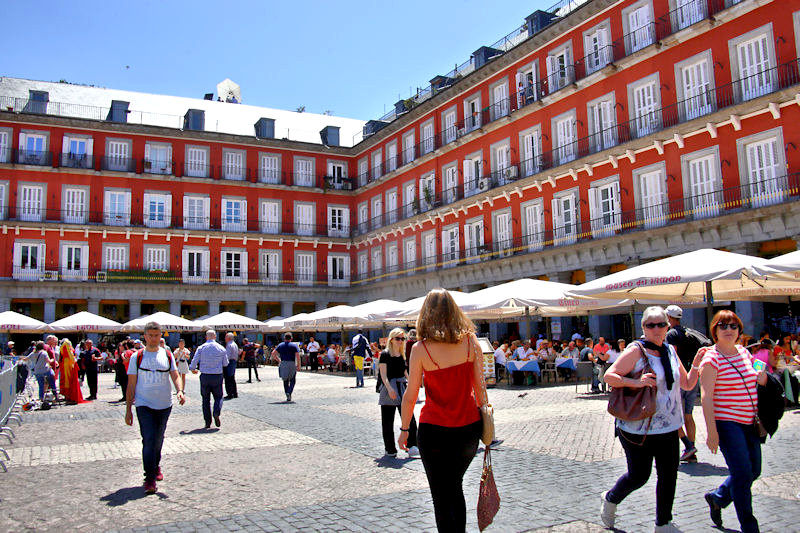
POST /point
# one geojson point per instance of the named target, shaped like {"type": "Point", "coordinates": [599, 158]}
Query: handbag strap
{"type": "Point", "coordinates": [744, 381]}
{"type": "Point", "coordinates": [649, 420]}
{"type": "Point", "coordinates": [483, 381]}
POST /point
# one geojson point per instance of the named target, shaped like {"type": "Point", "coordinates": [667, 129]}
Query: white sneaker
{"type": "Point", "coordinates": [608, 511]}
{"type": "Point", "coordinates": [413, 451]}
{"type": "Point", "coordinates": [669, 527]}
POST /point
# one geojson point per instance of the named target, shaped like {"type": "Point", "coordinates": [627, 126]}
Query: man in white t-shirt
{"type": "Point", "coordinates": [313, 353]}
{"type": "Point", "coordinates": [499, 358]}
{"type": "Point", "coordinates": [149, 374]}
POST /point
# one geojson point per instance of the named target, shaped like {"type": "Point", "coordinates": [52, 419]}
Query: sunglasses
{"type": "Point", "coordinates": [728, 326]}
{"type": "Point", "coordinates": [399, 338]}
{"type": "Point", "coordinates": [653, 325]}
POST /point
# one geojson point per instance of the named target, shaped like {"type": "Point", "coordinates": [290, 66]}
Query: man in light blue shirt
{"type": "Point", "coordinates": [149, 373]}
{"type": "Point", "coordinates": [211, 359]}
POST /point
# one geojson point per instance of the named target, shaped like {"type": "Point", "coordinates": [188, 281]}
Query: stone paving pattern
{"type": "Point", "coordinates": [317, 464]}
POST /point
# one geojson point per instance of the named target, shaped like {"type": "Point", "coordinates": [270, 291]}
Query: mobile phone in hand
{"type": "Point", "coordinates": [759, 365]}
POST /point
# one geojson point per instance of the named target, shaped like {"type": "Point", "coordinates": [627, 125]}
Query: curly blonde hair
{"type": "Point", "coordinates": [440, 318]}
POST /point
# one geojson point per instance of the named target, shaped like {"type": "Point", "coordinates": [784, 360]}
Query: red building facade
{"type": "Point", "coordinates": [583, 143]}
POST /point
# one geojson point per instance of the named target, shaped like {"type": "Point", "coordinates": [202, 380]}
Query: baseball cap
{"type": "Point", "coordinates": [674, 311]}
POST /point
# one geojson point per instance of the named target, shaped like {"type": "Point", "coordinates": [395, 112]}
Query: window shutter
{"type": "Point", "coordinates": [169, 154]}
{"type": "Point", "coordinates": [186, 210]}
{"type": "Point", "coordinates": [594, 209]}
{"type": "Point", "coordinates": [558, 218]}
{"type": "Point", "coordinates": [65, 144]}
{"type": "Point", "coordinates": [617, 202]}
{"type": "Point", "coordinates": [147, 153]}
{"type": "Point", "coordinates": [17, 259]}
{"type": "Point", "coordinates": [206, 211]}
{"type": "Point", "coordinates": [41, 258]}
{"type": "Point", "coordinates": [245, 267]}
{"type": "Point", "coordinates": [84, 261]}
{"type": "Point", "coordinates": [244, 215]}
{"type": "Point", "coordinates": [146, 206]}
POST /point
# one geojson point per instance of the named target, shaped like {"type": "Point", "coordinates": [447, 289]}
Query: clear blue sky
{"type": "Point", "coordinates": [353, 57]}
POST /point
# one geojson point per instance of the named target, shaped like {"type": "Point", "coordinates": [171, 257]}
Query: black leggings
{"type": "Point", "coordinates": [446, 454]}
{"type": "Point", "coordinates": [387, 426]}
{"type": "Point", "coordinates": [664, 448]}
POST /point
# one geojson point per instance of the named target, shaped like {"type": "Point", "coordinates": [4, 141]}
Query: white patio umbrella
{"type": "Point", "coordinates": [410, 309]}
{"type": "Point", "coordinates": [546, 298]}
{"type": "Point", "coordinates": [785, 266]}
{"type": "Point", "coordinates": [331, 317]}
{"type": "Point", "coordinates": [231, 321]}
{"type": "Point", "coordinates": [286, 324]}
{"type": "Point", "coordinates": [84, 321]}
{"type": "Point", "coordinates": [167, 321]}
{"type": "Point", "coordinates": [273, 325]}
{"type": "Point", "coordinates": [697, 276]}
{"type": "Point", "coordinates": [13, 322]}
{"type": "Point", "coordinates": [371, 313]}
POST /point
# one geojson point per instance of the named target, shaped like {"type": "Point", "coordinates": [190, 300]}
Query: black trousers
{"type": "Point", "coordinates": [230, 379]}
{"type": "Point", "coordinates": [446, 454]}
{"type": "Point", "coordinates": [387, 425]}
{"type": "Point", "coordinates": [313, 362]}
{"type": "Point", "coordinates": [664, 448]}
{"type": "Point", "coordinates": [91, 379]}
{"type": "Point", "coordinates": [252, 366]}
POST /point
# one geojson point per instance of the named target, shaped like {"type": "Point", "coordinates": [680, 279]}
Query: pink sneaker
{"type": "Point", "coordinates": [150, 486]}
{"type": "Point", "coordinates": [159, 475]}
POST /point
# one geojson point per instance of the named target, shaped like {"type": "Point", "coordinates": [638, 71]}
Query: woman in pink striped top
{"type": "Point", "coordinates": [730, 405]}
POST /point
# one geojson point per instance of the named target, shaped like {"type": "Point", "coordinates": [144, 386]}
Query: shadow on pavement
{"type": "Point", "coordinates": [199, 430]}
{"type": "Point", "coordinates": [128, 494]}
{"type": "Point", "coordinates": [393, 462]}
{"type": "Point", "coordinates": [702, 469]}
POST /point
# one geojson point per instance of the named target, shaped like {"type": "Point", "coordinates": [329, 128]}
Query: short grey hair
{"type": "Point", "coordinates": [51, 338]}
{"type": "Point", "coordinates": [211, 334]}
{"type": "Point", "coordinates": [654, 311]}
{"type": "Point", "coordinates": [150, 326]}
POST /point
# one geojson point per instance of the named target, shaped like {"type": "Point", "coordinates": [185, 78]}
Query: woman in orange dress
{"type": "Point", "coordinates": [70, 385]}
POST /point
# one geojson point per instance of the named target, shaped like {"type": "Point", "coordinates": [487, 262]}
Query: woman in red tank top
{"type": "Point", "coordinates": [450, 423]}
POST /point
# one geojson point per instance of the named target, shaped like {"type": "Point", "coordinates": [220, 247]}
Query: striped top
{"type": "Point", "coordinates": [731, 399]}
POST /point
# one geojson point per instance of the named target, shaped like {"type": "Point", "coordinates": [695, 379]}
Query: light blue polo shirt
{"type": "Point", "coordinates": [153, 384]}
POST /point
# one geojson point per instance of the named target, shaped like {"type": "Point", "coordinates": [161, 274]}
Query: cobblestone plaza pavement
{"type": "Point", "coordinates": [317, 465]}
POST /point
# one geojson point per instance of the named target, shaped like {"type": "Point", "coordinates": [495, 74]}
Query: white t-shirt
{"type": "Point", "coordinates": [312, 347]}
{"type": "Point", "coordinates": [331, 354]}
{"type": "Point", "coordinates": [500, 356]}
{"type": "Point", "coordinates": [153, 388]}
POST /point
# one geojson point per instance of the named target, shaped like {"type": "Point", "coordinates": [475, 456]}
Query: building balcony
{"type": "Point", "coordinates": [77, 161]}
{"type": "Point", "coordinates": [34, 157]}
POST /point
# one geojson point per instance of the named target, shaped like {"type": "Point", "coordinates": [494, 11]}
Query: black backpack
{"type": "Point", "coordinates": [361, 347]}
{"type": "Point", "coordinates": [697, 338]}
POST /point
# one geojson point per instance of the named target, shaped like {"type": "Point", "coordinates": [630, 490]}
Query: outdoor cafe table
{"type": "Point", "coordinates": [524, 366]}
{"type": "Point", "coordinates": [565, 362]}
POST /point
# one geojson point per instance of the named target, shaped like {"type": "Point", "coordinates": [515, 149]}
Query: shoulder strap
{"type": "Point", "coordinates": [140, 354]}
{"type": "Point", "coordinates": [429, 354]}
{"type": "Point", "coordinates": [741, 376]}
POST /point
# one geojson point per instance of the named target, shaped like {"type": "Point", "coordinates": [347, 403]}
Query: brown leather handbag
{"type": "Point", "coordinates": [488, 497]}
{"type": "Point", "coordinates": [632, 404]}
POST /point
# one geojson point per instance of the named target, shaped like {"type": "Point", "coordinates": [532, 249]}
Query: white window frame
{"type": "Point", "coordinates": [409, 147]}
{"type": "Point", "coordinates": [500, 162]}
{"type": "Point", "coordinates": [302, 225]}
{"type": "Point", "coordinates": [376, 261]}
{"type": "Point", "coordinates": [67, 263]}
{"type": "Point", "coordinates": [449, 125]}
{"type": "Point", "coordinates": [450, 246]}
{"type": "Point", "coordinates": [230, 222]}
{"type": "Point", "coordinates": [533, 224]}
{"type": "Point", "coordinates": [194, 221]}
{"type": "Point", "coordinates": [267, 275]}
{"type": "Point", "coordinates": [427, 182]}
{"type": "Point", "coordinates": [234, 164]}
{"type": "Point", "coordinates": [269, 168]}
{"type": "Point", "coordinates": [77, 159]}
{"type": "Point", "coordinates": [156, 258]}
{"type": "Point", "coordinates": [409, 253]}
{"type": "Point", "coordinates": [767, 186]}
{"type": "Point", "coordinates": [4, 191]}
{"type": "Point", "coordinates": [605, 193]}
{"type": "Point", "coordinates": [304, 171]}
{"type": "Point", "coordinates": [502, 224]}
{"type": "Point", "coordinates": [363, 171]}
{"type": "Point", "coordinates": [72, 213]}
{"type": "Point", "coordinates": [409, 195]}
{"type": "Point", "coordinates": [363, 217]}
{"type": "Point", "coordinates": [474, 239]}
{"type": "Point", "coordinates": [30, 208]}
{"type": "Point", "coordinates": [638, 38]}
{"type": "Point", "coordinates": [560, 67]}
{"type": "Point", "coordinates": [595, 59]}
{"type": "Point", "coordinates": [645, 121]}
{"type": "Point", "coordinates": [530, 154]}
{"type": "Point", "coordinates": [565, 148]}
{"type": "Point", "coordinates": [376, 211]}
{"type": "Point", "coordinates": [152, 165]}
{"type": "Point", "coordinates": [115, 217]}
{"type": "Point", "coordinates": [118, 155]}
{"type": "Point", "coordinates": [450, 183]}
{"type": "Point", "coordinates": [266, 207]}
{"type": "Point", "coordinates": [228, 258]}
{"type": "Point", "coordinates": [376, 164]}
{"type": "Point", "coordinates": [427, 135]}
{"type": "Point", "coordinates": [703, 102]}
{"type": "Point", "coordinates": [5, 145]}
{"type": "Point", "coordinates": [391, 156]}
{"type": "Point", "coordinates": [338, 270]}
{"type": "Point", "coordinates": [654, 213]}
{"type": "Point", "coordinates": [363, 264]}
{"type": "Point", "coordinates": [527, 84]}
{"type": "Point", "coordinates": [33, 155]}
{"type": "Point", "coordinates": [428, 249]}
{"type": "Point", "coordinates": [116, 257]}
{"type": "Point", "coordinates": [157, 220]}
{"type": "Point", "coordinates": [336, 173]}
{"type": "Point", "coordinates": [499, 98]}
{"type": "Point", "coordinates": [750, 87]}
{"type": "Point", "coordinates": [687, 12]}
{"type": "Point", "coordinates": [204, 258]}
{"type": "Point", "coordinates": [24, 271]}
{"type": "Point", "coordinates": [602, 118]}
{"type": "Point", "coordinates": [197, 161]}
{"type": "Point", "coordinates": [472, 172]}
{"type": "Point", "coordinates": [392, 257]}
{"type": "Point", "coordinates": [565, 228]}
{"type": "Point", "coordinates": [305, 275]}
{"type": "Point", "coordinates": [391, 205]}
{"type": "Point", "coordinates": [338, 221]}
{"type": "Point", "coordinates": [706, 204]}
{"type": "Point", "coordinates": [472, 113]}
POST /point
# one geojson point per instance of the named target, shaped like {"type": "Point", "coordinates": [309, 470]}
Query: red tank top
{"type": "Point", "coordinates": [449, 398]}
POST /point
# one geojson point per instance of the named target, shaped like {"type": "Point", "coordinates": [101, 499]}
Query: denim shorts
{"type": "Point", "coordinates": [690, 398]}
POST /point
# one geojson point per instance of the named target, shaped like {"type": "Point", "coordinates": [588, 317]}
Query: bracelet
{"type": "Point", "coordinates": [404, 429]}
{"type": "Point", "coordinates": [695, 367]}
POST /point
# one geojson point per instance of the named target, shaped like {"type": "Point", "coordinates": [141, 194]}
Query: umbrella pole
{"type": "Point", "coordinates": [709, 305]}
{"type": "Point", "coordinates": [527, 322]}
{"type": "Point", "coordinates": [549, 325]}
{"type": "Point", "coordinates": [633, 321]}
